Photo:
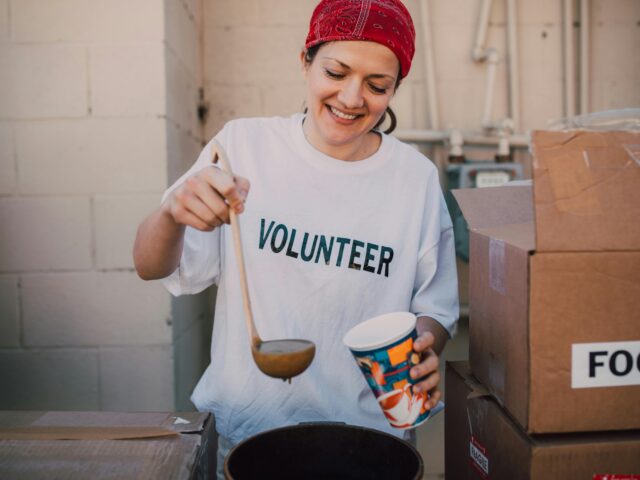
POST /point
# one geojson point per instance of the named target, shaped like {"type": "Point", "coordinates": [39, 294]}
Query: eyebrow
{"type": "Point", "coordinates": [373, 75]}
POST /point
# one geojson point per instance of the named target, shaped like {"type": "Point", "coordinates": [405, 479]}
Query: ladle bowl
{"type": "Point", "coordinates": [284, 358]}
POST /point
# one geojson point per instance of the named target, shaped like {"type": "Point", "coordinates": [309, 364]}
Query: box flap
{"type": "Point", "coordinates": [97, 425]}
{"type": "Point", "coordinates": [586, 190]}
{"type": "Point", "coordinates": [495, 206]}
{"type": "Point", "coordinates": [520, 235]}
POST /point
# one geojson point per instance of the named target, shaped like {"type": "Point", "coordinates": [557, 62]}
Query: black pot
{"type": "Point", "coordinates": [323, 451]}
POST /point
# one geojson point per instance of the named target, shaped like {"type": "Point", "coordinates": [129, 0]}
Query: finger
{"type": "Point", "coordinates": [430, 364]}
{"type": "Point", "coordinates": [434, 398]}
{"type": "Point", "coordinates": [225, 184]}
{"type": "Point", "coordinates": [429, 384]}
{"type": "Point", "coordinates": [185, 217]}
{"type": "Point", "coordinates": [185, 200]}
{"type": "Point", "coordinates": [425, 340]}
{"type": "Point", "coordinates": [211, 199]}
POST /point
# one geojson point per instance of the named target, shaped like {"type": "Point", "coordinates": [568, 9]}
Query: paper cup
{"type": "Point", "coordinates": [383, 349]}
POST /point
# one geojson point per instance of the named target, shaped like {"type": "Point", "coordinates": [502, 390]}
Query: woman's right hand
{"type": "Point", "coordinates": [203, 200]}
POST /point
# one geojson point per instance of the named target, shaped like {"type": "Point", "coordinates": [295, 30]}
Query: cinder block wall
{"type": "Point", "coordinates": [98, 105]}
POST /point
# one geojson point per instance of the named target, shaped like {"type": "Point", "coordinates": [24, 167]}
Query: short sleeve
{"type": "Point", "coordinates": [200, 261]}
{"type": "Point", "coordinates": [435, 291]}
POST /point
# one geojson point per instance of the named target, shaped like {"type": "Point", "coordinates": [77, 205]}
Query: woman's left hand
{"type": "Point", "coordinates": [428, 368]}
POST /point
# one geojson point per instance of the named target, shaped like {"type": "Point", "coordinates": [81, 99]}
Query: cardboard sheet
{"type": "Point", "coordinates": [109, 445]}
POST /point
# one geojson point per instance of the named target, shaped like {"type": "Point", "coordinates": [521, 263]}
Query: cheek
{"type": "Point", "coordinates": [317, 89]}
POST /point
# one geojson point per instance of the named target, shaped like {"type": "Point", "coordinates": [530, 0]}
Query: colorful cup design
{"type": "Point", "coordinates": [383, 349]}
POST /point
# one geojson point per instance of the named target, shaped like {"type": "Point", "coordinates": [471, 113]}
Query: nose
{"type": "Point", "coordinates": [350, 95]}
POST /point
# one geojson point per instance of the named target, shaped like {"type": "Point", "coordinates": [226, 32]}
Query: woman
{"type": "Point", "coordinates": [342, 223]}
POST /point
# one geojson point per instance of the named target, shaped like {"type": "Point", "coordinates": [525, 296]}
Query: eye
{"type": "Point", "coordinates": [332, 74]}
{"type": "Point", "coordinates": [377, 90]}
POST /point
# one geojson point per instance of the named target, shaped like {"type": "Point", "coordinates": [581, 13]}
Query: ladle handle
{"type": "Point", "coordinates": [219, 152]}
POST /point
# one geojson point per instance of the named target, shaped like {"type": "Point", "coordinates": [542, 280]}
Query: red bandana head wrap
{"type": "Point", "coordinates": [387, 22]}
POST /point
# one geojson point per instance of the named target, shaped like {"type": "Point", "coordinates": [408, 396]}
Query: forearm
{"type": "Point", "coordinates": [158, 246]}
{"type": "Point", "coordinates": [428, 324]}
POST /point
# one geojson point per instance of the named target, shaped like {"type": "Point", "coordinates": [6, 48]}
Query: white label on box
{"type": "Point", "coordinates": [478, 456]}
{"type": "Point", "coordinates": [609, 364]}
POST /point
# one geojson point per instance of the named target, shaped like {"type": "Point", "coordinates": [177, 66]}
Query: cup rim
{"type": "Point", "coordinates": [406, 322]}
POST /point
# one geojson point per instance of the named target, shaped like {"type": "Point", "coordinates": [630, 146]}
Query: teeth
{"type": "Point", "coordinates": [338, 113]}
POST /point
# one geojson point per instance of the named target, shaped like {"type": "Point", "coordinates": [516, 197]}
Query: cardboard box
{"type": "Point", "coordinates": [113, 445]}
{"type": "Point", "coordinates": [554, 285]}
{"type": "Point", "coordinates": [483, 442]}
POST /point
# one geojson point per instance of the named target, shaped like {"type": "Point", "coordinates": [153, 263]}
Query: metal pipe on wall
{"type": "Point", "coordinates": [439, 137]}
{"type": "Point", "coordinates": [584, 56]}
{"type": "Point", "coordinates": [492, 65]}
{"type": "Point", "coordinates": [479, 53]}
{"type": "Point", "coordinates": [514, 80]}
{"type": "Point", "coordinates": [569, 75]}
{"type": "Point", "coordinates": [430, 77]}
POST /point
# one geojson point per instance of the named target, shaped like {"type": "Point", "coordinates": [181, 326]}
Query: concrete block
{"type": "Point", "coordinates": [544, 101]}
{"type": "Point", "coordinates": [617, 11]}
{"type": "Point", "coordinates": [461, 103]}
{"type": "Point", "coordinates": [614, 94]}
{"type": "Point", "coordinates": [449, 12]}
{"type": "Point", "coordinates": [119, 155]}
{"type": "Point", "coordinates": [48, 81]}
{"type": "Point", "coordinates": [46, 233]}
{"type": "Point", "coordinates": [116, 220]}
{"type": "Point", "coordinates": [9, 311]}
{"type": "Point", "coordinates": [196, 11]}
{"type": "Point", "coordinates": [605, 66]}
{"type": "Point", "coordinates": [237, 55]}
{"type": "Point", "coordinates": [283, 100]}
{"type": "Point", "coordinates": [183, 37]}
{"type": "Point", "coordinates": [57, 379]}
{"type": "Point", "coordinates": [182, 150]}
{"type": "Point", "coordinates": [541, 13]}
{"type": "Point", "coordinates": [291, 12]}
{"type": "Point", "coordinates": [452, 56]}
{"type": "Point", "coordinates": [94, 308]}
{"type": "Point", "coordinates": [98, 21]}
{"type": "Point", "coordinates": [227, 102]}
{"type": "Point", "coordinates": [6, 90]}
{"type": "Point", "coordinates": [183, 94]}
{"type": "Point", "coordinates": [421, 114]}
{"type": "Point", "coordinates": [136, 379]}
{"type": "Point", "coordinates": [189, 309]}
{"type": "Point", "coordinates": [403, 105]}
{"type": "Point", "coordinates": [191, 358]}
{"type": "Point", "coordinates": [225, 13]}
{"type": "Point", "coordinates": [4, 21]}
{"type": "Point", "coordinates": [541, 46]}
{"type": "Point", "coordinates": [127, 79]}
{"type": "Point", "coordinates": [8, 180]}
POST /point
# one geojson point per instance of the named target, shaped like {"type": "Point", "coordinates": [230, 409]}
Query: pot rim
{"type": "Point", "coordinates": [325, 424]}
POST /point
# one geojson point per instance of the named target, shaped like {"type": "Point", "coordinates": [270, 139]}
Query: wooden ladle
{"type": "Point", "coordinates": [277, 358]}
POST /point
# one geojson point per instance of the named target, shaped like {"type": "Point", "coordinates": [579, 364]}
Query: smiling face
{"type": "Point", "coordinates": [349, 87]}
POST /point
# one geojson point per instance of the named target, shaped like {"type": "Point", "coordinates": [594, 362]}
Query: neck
{"type": "Point", "coordinates": [362, 148]}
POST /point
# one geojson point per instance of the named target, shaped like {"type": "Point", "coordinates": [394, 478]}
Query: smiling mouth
{"type": "Point", "coordinates": [339, 114]}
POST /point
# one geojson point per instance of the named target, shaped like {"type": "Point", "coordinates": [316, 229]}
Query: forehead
{"type": "Point", "coordinates": [369, 57]}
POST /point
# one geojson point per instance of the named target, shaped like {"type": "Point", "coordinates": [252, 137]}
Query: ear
{"type": "Point", "coordinates": [303, 63]}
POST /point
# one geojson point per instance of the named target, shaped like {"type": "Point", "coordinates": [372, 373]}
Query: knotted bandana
{"type": "Point", "coordinates": [387, 22]}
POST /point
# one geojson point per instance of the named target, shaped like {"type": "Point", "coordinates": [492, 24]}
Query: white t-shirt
{"type": "Point", "coordinates": [327, 244]}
